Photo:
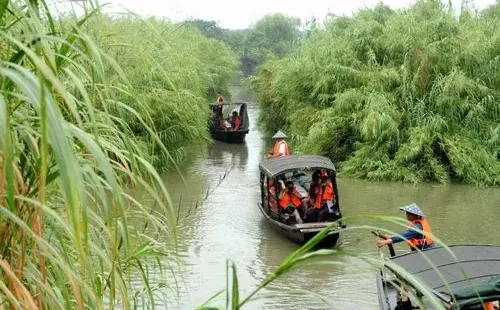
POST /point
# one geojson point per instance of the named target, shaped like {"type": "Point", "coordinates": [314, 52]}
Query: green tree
{"type": "Point", "coordinates": [276, 33]}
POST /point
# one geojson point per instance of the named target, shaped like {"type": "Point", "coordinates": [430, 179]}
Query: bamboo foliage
{"type": "Point", "coordinates": [76, 136]}
{"type": "Point", "coordinates": [399, 95]}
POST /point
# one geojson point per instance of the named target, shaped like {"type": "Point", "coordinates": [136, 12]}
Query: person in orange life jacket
{"type": "Point", "coordinates": [291, 201]}
{"type": "Point", "coordinates": [236, 121]}
{"type": "Point", "coordinates": [314, 209]}
{"type": "Point", "coordinates": [418, 222]}
{"type": "Point", "coordinates": [326, 198]}
{"type": "Point", "coordinates": [280, 146]}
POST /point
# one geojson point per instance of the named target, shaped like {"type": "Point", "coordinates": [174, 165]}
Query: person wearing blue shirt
{"type": "Point", "coordinates": [413, 234]}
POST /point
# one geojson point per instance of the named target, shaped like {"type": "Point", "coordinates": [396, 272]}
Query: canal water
{"type": "Point", "coordinates": [228, 225]}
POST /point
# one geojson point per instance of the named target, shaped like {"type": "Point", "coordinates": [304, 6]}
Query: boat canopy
{"type": "Point", "coordinates": [466, 270]}
{"type": "Point", "coordinates": [239, 106]}
{"type": "Point", "coordinates": [274, 166]}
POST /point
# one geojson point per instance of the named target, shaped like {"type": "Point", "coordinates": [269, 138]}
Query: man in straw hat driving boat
{"type": "Point", "coordinates": [280, 146]}
{"type": "Point", "coordinates": [413, 234]}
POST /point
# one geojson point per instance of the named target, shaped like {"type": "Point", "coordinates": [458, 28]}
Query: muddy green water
{"type": "Point", "coordinates": [228, 225]}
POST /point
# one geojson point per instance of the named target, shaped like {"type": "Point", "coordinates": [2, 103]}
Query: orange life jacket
{"type": "Point", "coordinates": [324, 195]}
{"type": "Point", "coordinates": [489, 305]}
{"type": "Point", "coordinates": [328, 194]}
{"type": "Point", "coordinates": [287, 198]}
{"type": "Point", "coordinates": [426, 240]}
{"type": "Point", "coordinates": [276, 149]}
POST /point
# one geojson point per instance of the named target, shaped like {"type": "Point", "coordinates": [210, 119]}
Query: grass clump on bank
{"type": "Point", "coordinates": [76, 131]}
{"type": "Point", "coordinates": [406, 95]}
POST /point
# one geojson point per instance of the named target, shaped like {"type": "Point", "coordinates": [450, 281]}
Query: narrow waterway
{"type": "Point", "coordinates": [228, 225]}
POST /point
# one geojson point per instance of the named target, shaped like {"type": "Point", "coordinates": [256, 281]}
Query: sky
{"type": "Point", "coordinates": [238, 14]}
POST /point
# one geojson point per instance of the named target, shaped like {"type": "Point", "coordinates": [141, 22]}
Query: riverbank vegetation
{"type": "Point", "coordinates": [407, 95]}
{"type": "Point", "coordinates": [172, 71]}
{"type": "Point", "coordinates": [84, 103]}
{"type": "Point", "coordinates": [272, 36]}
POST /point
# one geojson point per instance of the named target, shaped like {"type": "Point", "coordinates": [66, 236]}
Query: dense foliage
{"type": "Point", "coordinates": [396, 95]}
{"type": "Point", "coordinates": [274, 35]}
{"type": "Point", "coordinates": [174, 71]}
{"type": "Point", "coordinates": [80, 109]}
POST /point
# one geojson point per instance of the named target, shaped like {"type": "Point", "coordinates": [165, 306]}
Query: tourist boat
{"type": "Point", "coordinates": [298, 168]}
{"type": "Point", "coordinates": [228, 134]}
{"type": "Point", "coordinates": [453, 277]}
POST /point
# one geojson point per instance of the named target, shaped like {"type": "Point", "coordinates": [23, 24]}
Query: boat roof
{"type": "Point", "coordinates": [460, 266]}
{"type": "Point", "coordinates": [277, 165]}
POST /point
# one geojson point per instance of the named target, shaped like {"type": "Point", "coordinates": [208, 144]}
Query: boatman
{"type": "Point", "coordinates": [418, 223]}
{"type": "Point", "coordinates": [217, 113]}
{"type": "Point", "coordinates": [220, 99]}
{"type": "Point", "coordinates": [219, 105]}
{"type": "Point", "coordinates": [280, 145]}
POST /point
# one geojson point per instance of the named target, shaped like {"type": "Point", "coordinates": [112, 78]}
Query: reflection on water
{"type": "Point", "coordinates": [228, 225]}
{"type": "Point", "coordinates": [221, 154]}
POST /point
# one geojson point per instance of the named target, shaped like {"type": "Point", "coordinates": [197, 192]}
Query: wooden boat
{"type": "Point", "coordinates": [297, 168]}
{"type": "Point", "coordinates": [457, 277]}
{"type": "Point", "coordinates": [229, 134]}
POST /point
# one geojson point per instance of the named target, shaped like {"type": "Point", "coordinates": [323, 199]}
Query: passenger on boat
{"type": "Point", "coordinates": [291, 201]}
{"type": "Point", "coordinates": [327, 197]}
{"type": "Point", "coordinates": [416, 240]}
{"type": "Point", "coordinates": [301, 179]}
{"type": "Point", "coordinates": [222, 123]}
{"type": "Point", "coordinates": [314, 209]}
{"type": "Point", "coordinates": [271, 188]}
{"type": "Point", "coordinates": [280, 146]}
{"type": "Point", "coordinates": [322, 199]}
{"type": "Point", "coordinates": [235, 121]}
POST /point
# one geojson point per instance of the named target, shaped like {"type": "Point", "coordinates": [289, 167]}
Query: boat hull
{"type": "Point", "coordinates": [229, 136]}
{"type": "Point", "coordinates": [302, 236]}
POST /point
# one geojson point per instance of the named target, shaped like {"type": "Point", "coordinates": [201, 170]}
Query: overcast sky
{"type": "Point", "coordinates": [237, 14]}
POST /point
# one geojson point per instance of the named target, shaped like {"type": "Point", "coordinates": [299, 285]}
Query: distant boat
{"type": "Point", "coordinates": [295, 168]}
{"type": "Point", "coordinates": [228, 134]}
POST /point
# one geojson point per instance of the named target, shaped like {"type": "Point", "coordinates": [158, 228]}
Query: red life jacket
{"type": "Point", "coordinates": [236, 122]}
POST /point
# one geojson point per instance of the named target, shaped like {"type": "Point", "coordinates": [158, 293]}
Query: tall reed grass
{"type": "Point", "coordinates": [172, 72]}
{"type": "Point", "coordinates": [407, 95]}
{"type": "Point", "coordinates": [80, 109]}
